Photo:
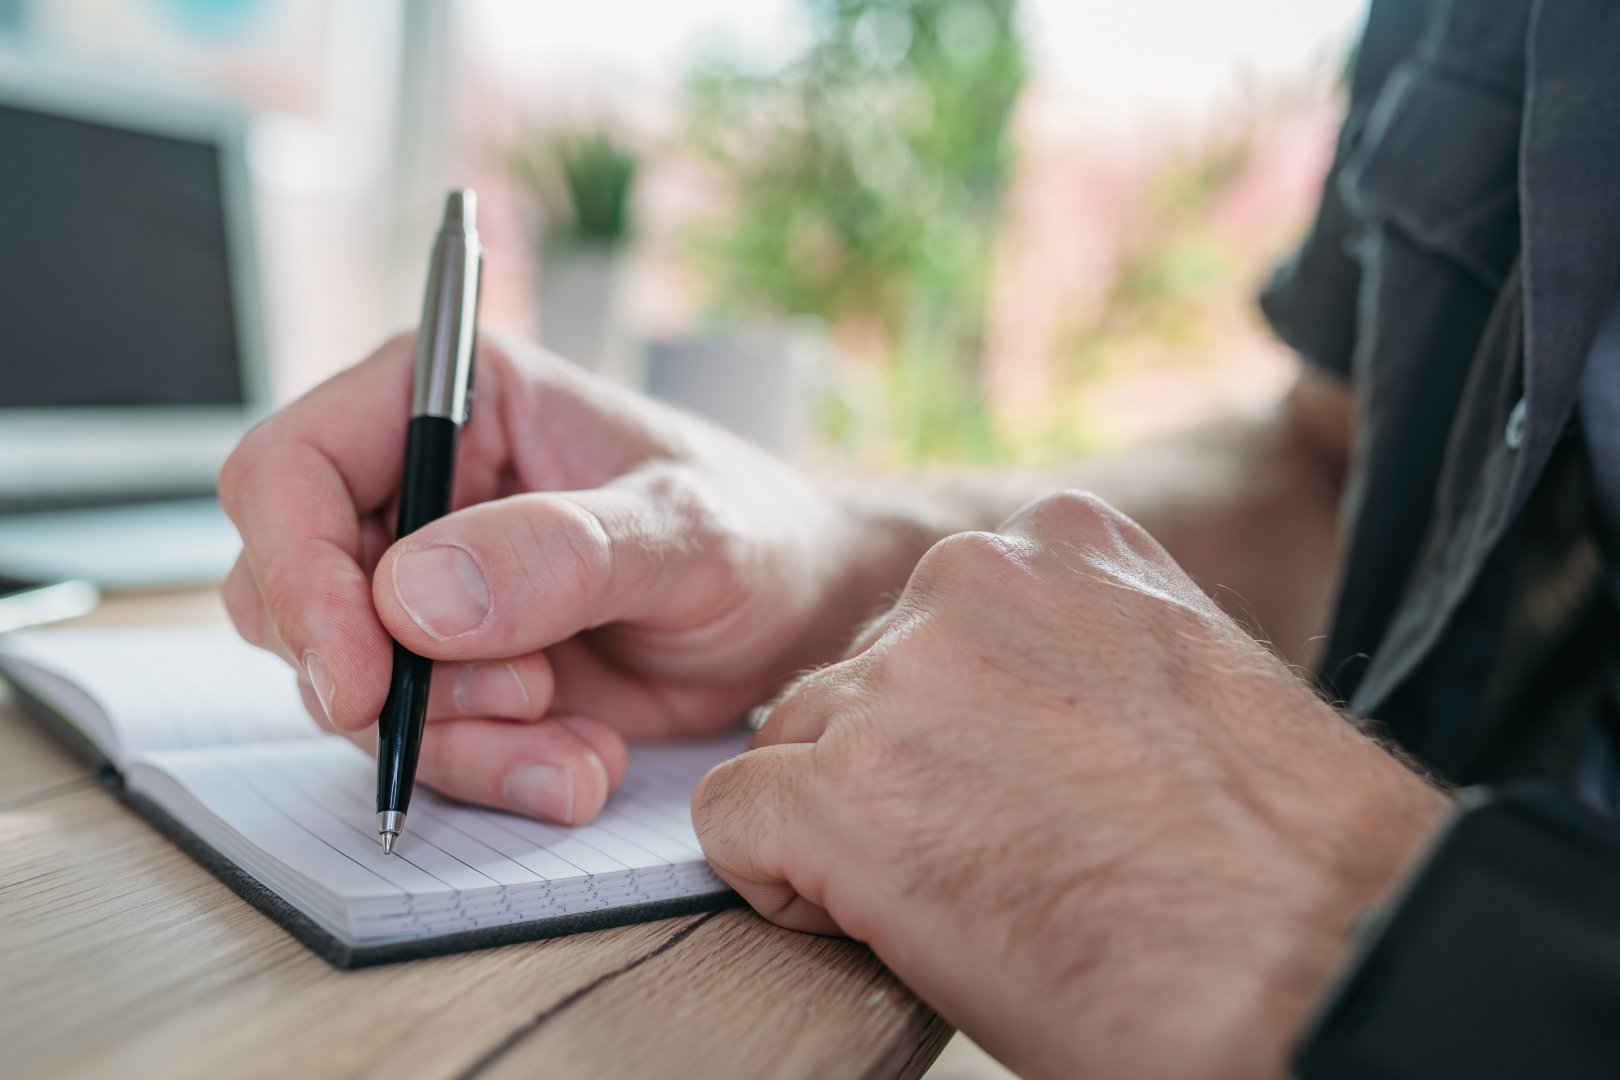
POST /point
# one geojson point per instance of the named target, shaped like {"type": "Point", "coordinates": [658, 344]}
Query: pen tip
{"type": "Point", "coordinates": [461, 207]}
{"type": "Point", "coordinates": [389, 825]}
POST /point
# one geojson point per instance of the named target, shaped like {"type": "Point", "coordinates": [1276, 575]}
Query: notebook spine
{"type": "Point", "coordinates": [62, 729]}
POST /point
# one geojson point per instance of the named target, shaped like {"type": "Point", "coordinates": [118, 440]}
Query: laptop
{"type": "Point", "coordinates": [132, 348]}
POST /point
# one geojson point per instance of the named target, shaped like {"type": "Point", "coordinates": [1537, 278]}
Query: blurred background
{"type": "Point", "coordinates": [921, 230]}
{"type": "Point", "coordinates": [865, 233]}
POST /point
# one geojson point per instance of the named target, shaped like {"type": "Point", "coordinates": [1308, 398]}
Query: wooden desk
{"type": "Point", "coordinates": [119, 956]}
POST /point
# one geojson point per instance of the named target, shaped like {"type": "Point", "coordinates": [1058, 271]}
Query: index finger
{"type": "Point", "coordinates": [297, 488]}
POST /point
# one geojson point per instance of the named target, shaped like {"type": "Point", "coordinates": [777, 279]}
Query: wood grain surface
{"type": "Point", "coordinates": [119, 956]}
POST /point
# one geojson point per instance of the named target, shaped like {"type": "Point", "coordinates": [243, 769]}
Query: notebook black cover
{"type": "Point", "coordinates": [334, 951]}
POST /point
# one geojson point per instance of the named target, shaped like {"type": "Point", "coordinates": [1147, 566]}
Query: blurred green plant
{"type": "Point", "coordinates": [866, 179]}
{"type": "Point", "coordinates": [582, 183]}
{"type": "Point", "coordinates": [1170, 267]}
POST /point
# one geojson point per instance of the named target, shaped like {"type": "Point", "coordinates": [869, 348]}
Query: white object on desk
{"type": "Point", "coordinates": [147, 546]}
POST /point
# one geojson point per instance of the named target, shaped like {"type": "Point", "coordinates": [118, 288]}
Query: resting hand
{"type": "Point", "coordinates": [613, 569]}
{"type": "Point", "coordinates": [1073, 805]}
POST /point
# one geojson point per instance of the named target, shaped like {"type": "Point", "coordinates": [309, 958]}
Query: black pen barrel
{"type": "Point", "coordinates": [430, 456]}
{"type": "Point", "coordinates": [399, 729]}
{"type": "Point", "coordinates": [430, 465]}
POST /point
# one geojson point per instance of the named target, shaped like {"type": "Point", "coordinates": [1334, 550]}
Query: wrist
{"type": "Point", "coordinates": [876, 538]}
{"type": "Point", "coordinates": [1351, 861]}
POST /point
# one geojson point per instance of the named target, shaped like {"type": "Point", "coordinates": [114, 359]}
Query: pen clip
{"type": "Point", "coordinates": [472, 364]}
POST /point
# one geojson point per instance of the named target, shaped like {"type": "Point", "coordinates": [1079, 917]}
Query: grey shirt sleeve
{"type": "Point", "coordinates": [1311, 298]}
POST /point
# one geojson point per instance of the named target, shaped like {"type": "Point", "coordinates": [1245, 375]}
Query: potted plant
{"type": "Point", "coordinates": [581, 184]}
{"type": "Point", "coordinates": [865, 177]}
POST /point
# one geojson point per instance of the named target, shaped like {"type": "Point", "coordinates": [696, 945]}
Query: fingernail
{"type": "Point", "coordinates": [320, 679]}
{"type": "Point", "coordinates": [542, 791]}
{"type": "Point", "coordinates": [442, 589]}
{"type": "Point", "coordinates": [492, 689]}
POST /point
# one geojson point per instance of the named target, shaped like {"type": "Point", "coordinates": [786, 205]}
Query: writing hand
{"type": "Point", "coordinates": [612, 570]}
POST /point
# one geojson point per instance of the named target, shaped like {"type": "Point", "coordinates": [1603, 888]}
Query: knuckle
{"type": "Point", "coordinates": [235, 476]}
{"type": "Point", "coordinates": [702, 518]}
{"type": "Point", "coordinates": [813, 702]}
{"type": "Point", "coordinates": [983, 559]}
{"type": "Point", "coordinates": [973, 548]}
{"type": "Point", "coordinates": [786, 713]}
{"type": "Point", "coordinates": [669, 484]}
{"type": "Point", "coordinates": [570, 550]}
{"type": "Point", "coordinates": [1072, 513]}
{"type": "Point", "coordinates": [1076, 528]}
{"type": "Point", "coordinates": [915, 648]}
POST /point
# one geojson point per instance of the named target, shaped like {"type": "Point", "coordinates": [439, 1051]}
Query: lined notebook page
{"type": "Point", "coordinates": [133, 690]}
{"type": "Point", "coordinates": [299, 817]}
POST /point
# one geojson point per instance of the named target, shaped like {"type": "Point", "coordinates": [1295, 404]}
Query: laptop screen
{"type": "Point", "coordinates": [115, 281]}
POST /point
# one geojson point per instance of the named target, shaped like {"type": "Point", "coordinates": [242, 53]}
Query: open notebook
{"type": "Point", "coordinates": [206, 737]}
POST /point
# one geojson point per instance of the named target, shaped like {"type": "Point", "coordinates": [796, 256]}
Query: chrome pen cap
{"type": "Point", "coordinates": [448, 332]}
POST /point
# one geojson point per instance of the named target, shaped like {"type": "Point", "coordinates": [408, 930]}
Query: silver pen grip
{"type": "Point", "coordinates": [448, 331]}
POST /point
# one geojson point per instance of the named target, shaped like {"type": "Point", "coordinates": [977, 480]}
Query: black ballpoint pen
{"type": "Point", "coordinates": [440, 404]}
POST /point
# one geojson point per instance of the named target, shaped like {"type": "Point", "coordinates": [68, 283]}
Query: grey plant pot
{"type": "Point", "coordinates": [759, 383]}
{"type": "Point", "coordinates": [581, 307]}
